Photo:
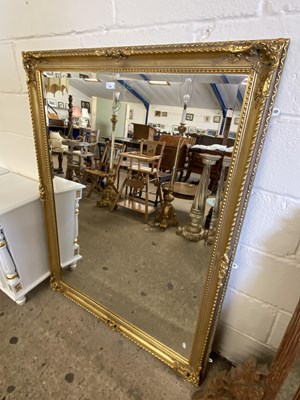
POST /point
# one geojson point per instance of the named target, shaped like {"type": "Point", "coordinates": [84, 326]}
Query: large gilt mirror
{"type": "Point", "coordinates": [146, 159]}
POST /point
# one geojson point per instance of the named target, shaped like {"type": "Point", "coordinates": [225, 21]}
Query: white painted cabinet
{"type": "Point", "coordinates": [24, 261]}
{"type": "Point", "coordinates": [23, 249]}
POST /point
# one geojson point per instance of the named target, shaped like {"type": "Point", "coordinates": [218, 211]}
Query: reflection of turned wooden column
{"type": "Point", "coordinates": [195, 231]}
{"type": "Point", "coordinates": [70, 117]}
{"type": "Point", "coordinates": [216, 207]}
{"type": "Point", "coordinates": [110, 192]}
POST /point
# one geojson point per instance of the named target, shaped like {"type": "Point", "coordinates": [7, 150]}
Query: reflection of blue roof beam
{"type": "Point", "coordinates": [219, 98]}
{"type": "Point", "coordinates": [137, 95]}
{"type": "Point", "coordinates": [239, 96]}
{"type": "Point", "coordinates": [145, 77]}
{"type": "Point", "coordinates": [221, 102]}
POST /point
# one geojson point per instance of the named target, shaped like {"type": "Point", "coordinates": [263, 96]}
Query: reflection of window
{"type": "Point", "coordinates": [164, 114]}
{"type": "Point", "coordinates": [157, 113]}
{"type": "Point", "coordinates": [217, 118]}
{"type": "Point", "coordinates": [189, 117]}
{"type": "Point", "coordinates": [236, 120]}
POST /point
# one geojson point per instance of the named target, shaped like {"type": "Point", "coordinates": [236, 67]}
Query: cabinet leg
{"type": "Point", "coordinates": [21, 300]}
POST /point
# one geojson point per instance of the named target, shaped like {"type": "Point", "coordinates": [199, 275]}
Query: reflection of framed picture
{"type": "Point", "coordinates": [60, 104]}
{"type": "Point", "coordinates": [192, 129]}
{"type": "Point", "coordinates": [217, 118]}
{"type": "Point", "coordinates": [175, 129]}
{"type": "Point", "coordinates": [164, 114]}
{"type": "Point", "coordinates": [211, 132]}
{"type": "Point", "coordinates": [86, 104]}
{"type": "Point", "coordinates": [236, 120]}
{"type": "Point", "coordinates": [52, 102]}
{"type": "Point", "coordinates": [189, 117]}
{"type": "Point", "coordinates": [206, 118]}
{"type": "Point", "coordinates": [157, 113]}
{"type": "Point", "coordinates": [232, 135]}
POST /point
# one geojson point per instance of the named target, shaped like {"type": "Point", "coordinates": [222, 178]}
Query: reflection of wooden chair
{"type": "Point", "coordinates": [143, 169]}
{"type": "Point", "coordinates": [78, 155]}
{"type": "Point", "coordinates": [168, 159]}
{"type": "Point", "coordinates": [96, 176]}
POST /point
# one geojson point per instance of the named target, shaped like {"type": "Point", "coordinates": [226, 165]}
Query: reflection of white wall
{"type": "Point", "coordinates": [175, 113]}
{"type": "Point", "coordinates": [103, 118]}
{"type": "Point", "coordinates": [63, 97]}
{"type": "Point", "coordinates": [138, 113]}
{"type": "Point", "coordinates": [266, 277]}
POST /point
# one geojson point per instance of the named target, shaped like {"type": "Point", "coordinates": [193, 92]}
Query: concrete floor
{"type": "Point", "coordinates": [53, 349]}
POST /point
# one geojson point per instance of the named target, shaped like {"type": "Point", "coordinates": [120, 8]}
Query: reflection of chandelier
{"type": "Point", "coordinates": [56, 84]}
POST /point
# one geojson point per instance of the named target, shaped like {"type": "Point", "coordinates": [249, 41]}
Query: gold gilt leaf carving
{"type": "Point", "coordinates": [55, 284]}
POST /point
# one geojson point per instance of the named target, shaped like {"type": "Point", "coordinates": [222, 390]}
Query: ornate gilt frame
{"type": "Point", "coordinates": [262, 61]}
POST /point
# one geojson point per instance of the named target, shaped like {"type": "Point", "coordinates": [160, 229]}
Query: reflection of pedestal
{"type": "Point", "coordinates": [217, 203]}
{"type": "Point", "coordinates": [109, 194]}
{"type": "Point", "coordinates": [195, 230]}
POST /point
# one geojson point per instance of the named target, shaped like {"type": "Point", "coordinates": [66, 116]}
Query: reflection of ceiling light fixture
{"type": "Point", "coordinates": [162, 83]}
{"type": "Point", "coordinates": [91, 80]}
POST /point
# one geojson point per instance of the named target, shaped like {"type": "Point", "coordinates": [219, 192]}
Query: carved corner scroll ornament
{"type": "Point", "coordinates": [30, 63]}
{"type": "Point", "coordinates": [263, 54]}
{"type": "Point", "coordinates": [190, 374]}
{"type": "Point", "coordinates": [55, 285]}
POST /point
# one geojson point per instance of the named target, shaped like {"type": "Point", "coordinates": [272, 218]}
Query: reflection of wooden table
{"type": "Point", "coordinates": [184, 190]}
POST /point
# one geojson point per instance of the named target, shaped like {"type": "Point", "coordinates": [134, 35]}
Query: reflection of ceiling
{"type": "Point", "coordinates": [206, 91]}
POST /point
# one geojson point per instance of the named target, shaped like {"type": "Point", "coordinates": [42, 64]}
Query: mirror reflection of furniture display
{"type": "Point", "coordinates": [143, 170]}
{"type": "Point", "coordinates": [67, 197]}
{"type": "Point", "coordinates": [95, 176]}
{"type": "Point", "coordinates": [195, 231]}
{"type": "Point", "coordinates": [168, 159]}
{"type": "Point", "coordinates": [78, 151]}
{"type": "Point", "coordinates": [195, 164]}
{"type": "Point", "coordinates": [176, 324]}
{"type": "Point", "coordinates": [141, 131]}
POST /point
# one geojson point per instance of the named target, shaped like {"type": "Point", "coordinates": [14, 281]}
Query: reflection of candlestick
{"type": "Point", "coordinates": [115, 109]}
{"type": "Point", "coordinates": [175, 165]}
{"type": "Point", "coordinates": [183, 114]}
{"type": "Point", "coordinates": [186, 99]}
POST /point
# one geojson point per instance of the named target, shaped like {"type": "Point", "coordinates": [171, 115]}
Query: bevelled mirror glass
{"type": "Point", "coordinates": [146, 159]}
